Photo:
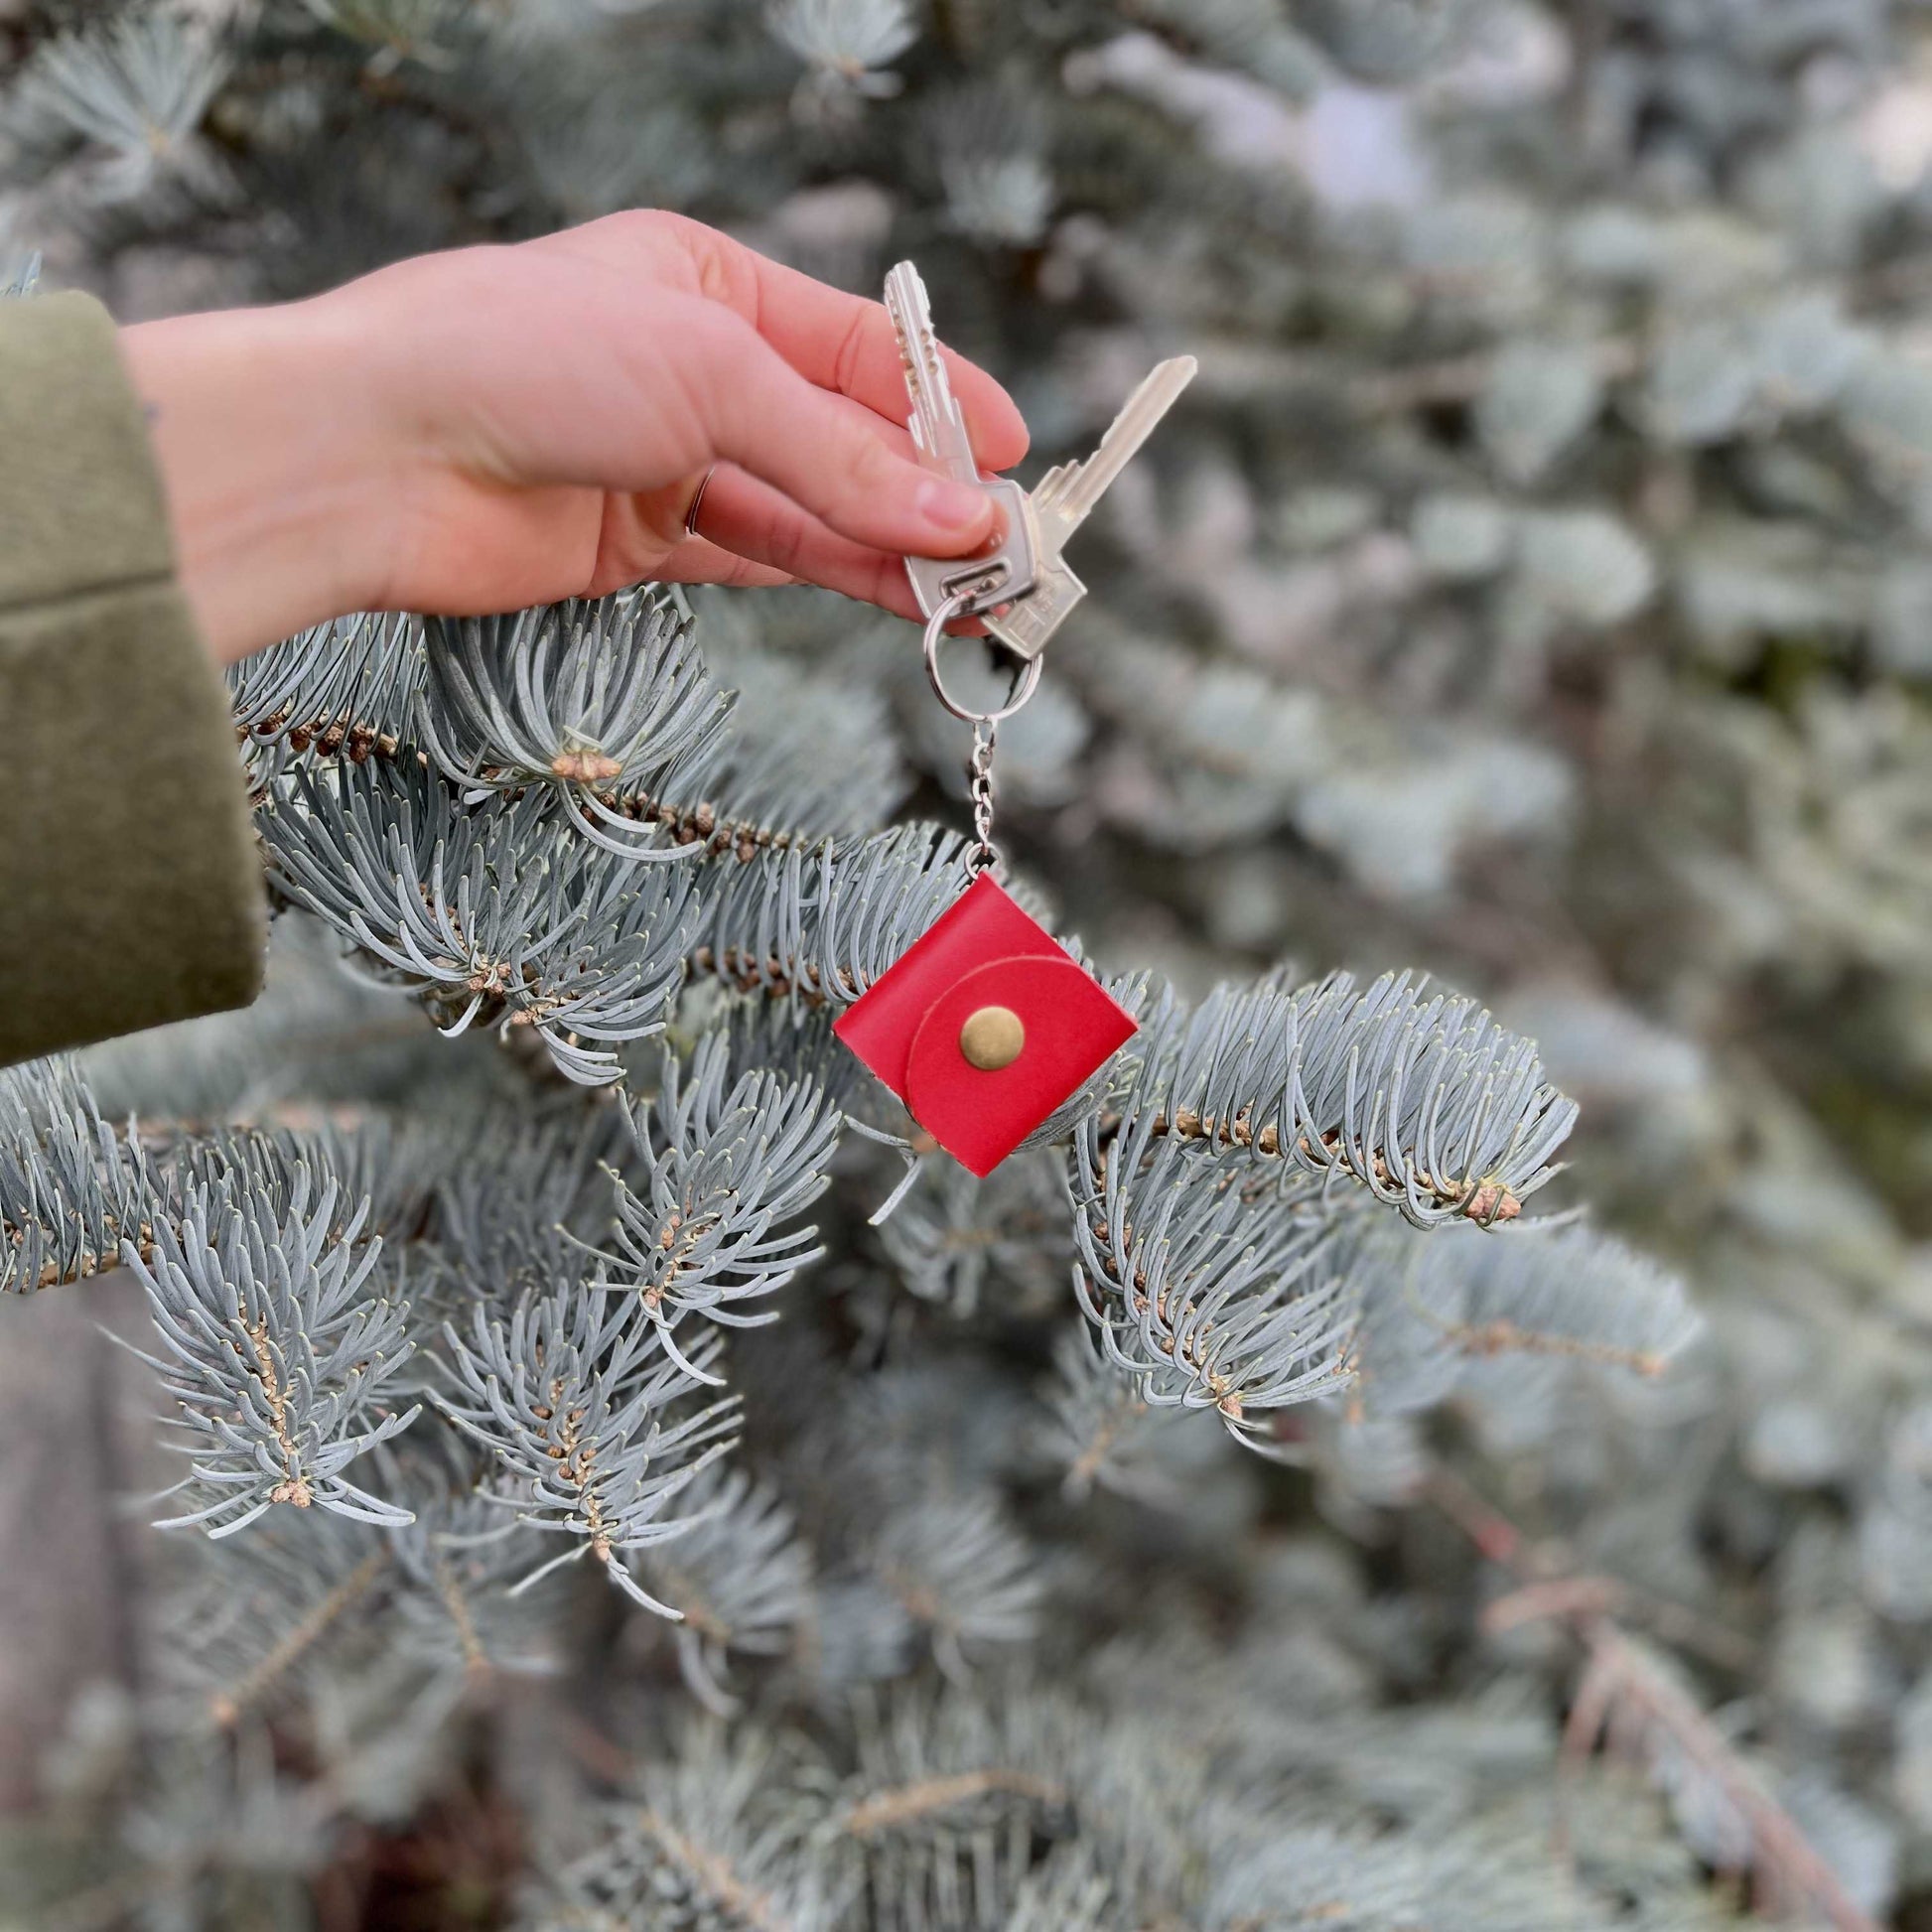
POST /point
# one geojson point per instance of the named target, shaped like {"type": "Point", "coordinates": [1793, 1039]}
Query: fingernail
{"type": "Point", "coordinates": [951, 506]}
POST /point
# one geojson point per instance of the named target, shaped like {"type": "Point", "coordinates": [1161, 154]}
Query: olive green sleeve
{"type": "Point", "coordinates": [130, 886]}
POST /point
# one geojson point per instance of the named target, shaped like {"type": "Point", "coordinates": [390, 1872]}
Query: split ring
{"type": "Point", "coordinates": [1024, 677]}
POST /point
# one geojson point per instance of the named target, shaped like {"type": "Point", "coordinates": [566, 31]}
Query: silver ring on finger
{"type": "Point", "coordinates": [697, 501]}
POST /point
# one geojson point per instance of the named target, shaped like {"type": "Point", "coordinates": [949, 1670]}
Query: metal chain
{"type": "Point", "coordinates": [985, 723]}
{"type": "Point", "coordinates": [979, 786]}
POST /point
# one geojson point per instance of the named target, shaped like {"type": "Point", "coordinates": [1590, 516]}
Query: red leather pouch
{"type": "Point", "coordinates": [984, 1027]}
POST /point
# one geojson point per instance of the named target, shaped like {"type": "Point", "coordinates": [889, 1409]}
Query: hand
{"type": "Point", "coordinates": [499, 427]}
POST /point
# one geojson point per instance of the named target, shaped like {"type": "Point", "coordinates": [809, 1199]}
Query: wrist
{"type": "Point", "coordinates": [272, 454]}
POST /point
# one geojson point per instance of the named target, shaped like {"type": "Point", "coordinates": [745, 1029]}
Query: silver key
{"type": "Point", "coordinates": [1065, 497]}
{"type": "Point", "coordinates": [1007, 570]}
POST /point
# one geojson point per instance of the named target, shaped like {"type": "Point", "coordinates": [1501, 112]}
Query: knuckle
{"type": "Point", "coordinates": [852, 344]}
{"type": "Point", "coordinates": [724, 271]}
{"type": "Point", "coordinates": [864, 478]}
{"type": "Point", "coordinates": [783, 547]}
{"type": "Point", "coordinates": [872, 466]}
{"type": "Point", "coordinates": [631, 226]}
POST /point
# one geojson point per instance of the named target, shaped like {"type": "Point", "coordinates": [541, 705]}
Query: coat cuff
{"type": "Point", "coordinates": [130, 883]}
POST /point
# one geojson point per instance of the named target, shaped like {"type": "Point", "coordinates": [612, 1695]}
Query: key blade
{"type": "Point", "coordinates": [1063, 500]}
{"type": "Point", "coordinates": [937, 425]}
{"type": "Point", "coordinates": [1065, 495]}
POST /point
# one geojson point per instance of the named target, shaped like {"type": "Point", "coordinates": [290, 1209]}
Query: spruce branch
{"type": "Point", "coordinates": [72, 1188]}
{"type": "Point", "coordinates": [1100, 1430]}
{"type": "Point", "coordinates": [576, 1404]}
{"type": "Point", "coordinates": [584, 700]}
{"type": "Point", "coordinates": [1205, 1296]}
{"type": "Point", "coordinates": [961, 1570]}
{"type": "Point", "coordinates": [457, 1567]}
{"type": "Point", "coordinates": [513, 1218]}
{"type": "Point", "coordinates": [1430, 1104]}
{"type": "Point", "coordinates": [879, 1812]}
{"type": "Point", "coordinates": [811, 741]}
{"type": "Point", "coordinates": [341, 689]}
{"type": "Point", "coordinates": [495, 913]}
{"type": "Point", "coordinates": [1631, 1701]}
{"type": "Point", "coordinates": [215, 1807]}
{"type": "Point", "coordinates": [399, 29]}
{"type": "Point", "coordinates": [949, 1796]}
{"type": "Point", "coordinates": [227, 1707]}
{"type": "Point", "coordinates": [280, 1352]}
{"type": "Point", "coordinates": [253, 1621]}
{"type": "Point", "coordinates": [132, 91]}
{"type": "Point", "coordinates": [846, 46]}
{"type": "Point", "coordinates": [821, 925]}
{"type": "Point", "coordinates": [741, 1579]}
{"type": "Point", "coordinates": [1067, 1895]}
{"type": "Point", "coordinates": [702, 1842]}
{"type": "Point", "coordinates": [386, 1169]}
{"type": "Point", "coordinates": [791, 1041]}
{"type": "Point", "coordinates": [954, 1237]}
{"type": "Point", "coordinates": [603, 708]}
{"type": "Point", "coordinates": [721, 1165]}
{"type": "Point", "coordinates": [1321, 1876]}
{"type": "Point", "coordinates": [1434, 1308]}
{"type": "Point", "coordinates": [700, 830]}
{"type": "Point", "coordinates": [1325, 1876]}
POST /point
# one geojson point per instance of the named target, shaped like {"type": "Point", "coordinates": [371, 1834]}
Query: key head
{"type": "Point", "coordinates": [1025, 627]}
{"type": "Point", "coordinates": [1006, 570]}
{"type": "Point", "coordinates": [996, 576]}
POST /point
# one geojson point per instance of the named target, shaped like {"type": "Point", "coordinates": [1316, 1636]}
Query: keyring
{"type": "Point", "coordinates": [1025, 678]}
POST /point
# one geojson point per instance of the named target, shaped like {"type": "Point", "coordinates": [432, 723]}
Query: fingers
{"type": "Point", "coordinates": [844, 341]}
{"type": "Point", "coordinates": [835, 339]}
{"type": "Point", "coordinates": [694, 560]}
{"type": "Point", "coordinates": [762, 414]}
{"type": "Point", "coordinates": [771, 541]}
{"type": "Point", "coordinates": [751, 521]}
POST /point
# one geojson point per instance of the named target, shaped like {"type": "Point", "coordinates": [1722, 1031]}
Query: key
{"type": "Point", "coordinates": [1005, 569]}
{"type": "Point", "coordinates": [1062, 502]}
{"type": "Point", "coordinates": [938, 427]}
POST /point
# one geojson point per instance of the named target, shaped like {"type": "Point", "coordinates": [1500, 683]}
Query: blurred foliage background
{"type": "Point", "coordinates": [1535, 586]}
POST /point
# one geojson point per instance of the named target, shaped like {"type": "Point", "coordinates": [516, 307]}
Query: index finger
{"type": "Point", "coordinates": [847, 343]}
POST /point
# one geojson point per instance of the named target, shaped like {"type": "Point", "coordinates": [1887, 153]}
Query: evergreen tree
{"type": "Point", "coordinates": [632, 1477]}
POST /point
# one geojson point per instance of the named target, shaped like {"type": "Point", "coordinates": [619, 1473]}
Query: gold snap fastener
{"type": "Point", "coordinates": [992, 1038]}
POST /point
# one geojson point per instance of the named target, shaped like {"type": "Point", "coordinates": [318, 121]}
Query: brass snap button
{"type": "Point", "coordinates": [991, 1038]}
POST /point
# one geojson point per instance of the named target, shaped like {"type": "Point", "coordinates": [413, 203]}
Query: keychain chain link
{"type": "Point", "coordinates": [979, 785]}
{"type": "Point", "coordinates": [985, 723]}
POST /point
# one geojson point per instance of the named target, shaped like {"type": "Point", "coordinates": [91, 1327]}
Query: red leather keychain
{"type": "Point", "coordinates": [987, 1024]}
{"type": "Point", "coordinates": [984, 1026]}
